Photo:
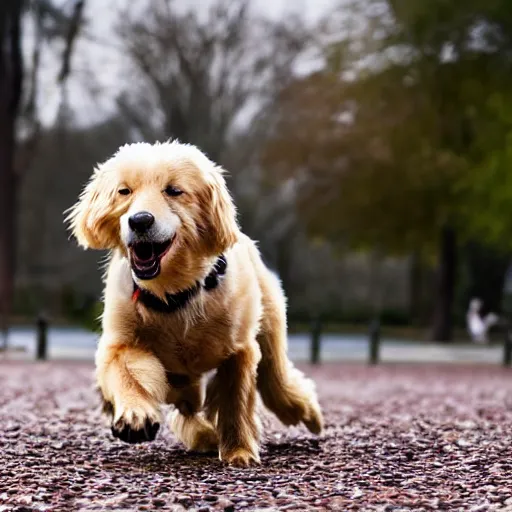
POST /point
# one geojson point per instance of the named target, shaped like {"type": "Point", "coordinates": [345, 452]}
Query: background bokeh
{"type": "Point", "coordinates": [368, 145]}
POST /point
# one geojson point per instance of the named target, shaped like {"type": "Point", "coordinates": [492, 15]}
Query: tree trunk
{"type": "Point", "coordinates": [445, 287]}
{"type": "Point", "coordinates": [415, 288]}
{"type": "Point", "coordinates": [10, 92]}
{"type": "Point", "coordinates": [486, 269]}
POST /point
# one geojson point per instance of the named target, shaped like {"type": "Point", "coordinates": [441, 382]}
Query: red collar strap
{"type": "Point", "coordinates": [136, 294]}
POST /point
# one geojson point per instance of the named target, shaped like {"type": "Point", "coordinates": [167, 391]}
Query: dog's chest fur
{"type": "Point", "coordinates": [200, 336]}
{"type": "Point", "coordinates": [185, 345]}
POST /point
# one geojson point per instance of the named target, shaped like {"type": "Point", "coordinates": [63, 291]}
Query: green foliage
{"type": "Point", "coordinates": [419, 140]}
{"type": "Point", "coordinates": [489, 182]}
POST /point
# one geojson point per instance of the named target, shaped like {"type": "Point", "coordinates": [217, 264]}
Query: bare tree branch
{"type": "Point", "coordinates": [72, 33]}
{"type": "Point", "coordinates": [202, 73]}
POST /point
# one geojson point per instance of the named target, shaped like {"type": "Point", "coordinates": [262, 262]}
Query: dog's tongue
{"type": "Point", "coordinates": [144, 252]}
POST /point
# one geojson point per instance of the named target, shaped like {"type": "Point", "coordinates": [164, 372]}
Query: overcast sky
{"type": "Point", "coordinates": [97, 66]}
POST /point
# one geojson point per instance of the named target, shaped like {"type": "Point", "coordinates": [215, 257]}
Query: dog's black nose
{"type": "Point", "coordinates": [141, 221]}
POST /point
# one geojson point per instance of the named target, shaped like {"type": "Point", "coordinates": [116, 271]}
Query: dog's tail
{"type": "Point", "coordinates": [283, 388]}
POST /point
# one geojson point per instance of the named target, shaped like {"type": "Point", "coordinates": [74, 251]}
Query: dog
{"type": "Point", "coordinates": [186, 295]}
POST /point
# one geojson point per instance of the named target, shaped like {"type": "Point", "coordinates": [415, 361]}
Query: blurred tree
{"type": "Point", "coordinates": [11, 80]}
{"type": "Point", "coordinates": [47, 262]}
{"type": "Point", "coordinates": [19, 125]}
{"type": "Point", "coordinates": [200, 72]}
{"type": "Point", "coordinates": [482, 273]}
{"type": "Point", "coordinates": [383, 143]}
{"type": "Point", "coordinates": [489, 183]}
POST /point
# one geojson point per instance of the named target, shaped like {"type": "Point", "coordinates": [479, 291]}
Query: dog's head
{"type": "Point", "coordinates": [160, 204]}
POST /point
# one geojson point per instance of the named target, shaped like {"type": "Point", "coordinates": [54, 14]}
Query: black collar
{"type": "Point", "coordinates": [179, 300]}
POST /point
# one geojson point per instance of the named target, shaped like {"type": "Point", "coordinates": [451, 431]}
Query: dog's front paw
{"type": "Point", "coordinates": [204, 440]}
{"type": "Point", "coordinates": [240, 457]}
{"type": "Point", "coordinates": [136, 426]}
{"type": "Point", "coordinates": [196, 433]}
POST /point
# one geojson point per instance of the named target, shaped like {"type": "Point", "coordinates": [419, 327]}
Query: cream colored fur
{"type": "Point", "coordinates": [237, 329]}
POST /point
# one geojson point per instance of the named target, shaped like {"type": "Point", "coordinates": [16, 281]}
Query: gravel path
{"type": "Point", "coordinates": [397, 438]}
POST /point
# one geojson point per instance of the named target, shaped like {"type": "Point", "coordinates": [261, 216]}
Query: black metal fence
{"type": "Point", "coordinates": [374, 341]}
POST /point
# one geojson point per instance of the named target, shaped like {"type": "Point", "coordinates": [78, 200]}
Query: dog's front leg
{"type": "Point", "coordinates": [134, 385]}
{"type": "Point", "coordinates": [237, 424]}
{"type": "Point", "coordinates": [187, 421]}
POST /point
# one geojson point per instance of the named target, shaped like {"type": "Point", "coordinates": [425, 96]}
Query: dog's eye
{"type": "Point", "coordinates": [125, 191]}
{"type": "Point", "coordinates": [173, 191]}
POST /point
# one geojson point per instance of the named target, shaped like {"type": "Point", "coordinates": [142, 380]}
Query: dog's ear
{"type": "Point", "coordinates": [221, 229]}
{"type": "Point", "coordinates": [92, 220]}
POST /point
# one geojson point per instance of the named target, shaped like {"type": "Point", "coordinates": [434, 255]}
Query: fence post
{"type": "Point", "coordinates": [42, 338]}
{"type": "Point", "coordinates": [507, 347]}
{"type": "Point", "coordinates": [374, 342]}
{"type": "Point", "coordinates": [316, 334]}
{"type": "Point", "coordinates": [4, 334]}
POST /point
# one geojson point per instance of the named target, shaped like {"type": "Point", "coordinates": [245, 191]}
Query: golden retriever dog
{"type": "Point", "coordinates": [186, 293]}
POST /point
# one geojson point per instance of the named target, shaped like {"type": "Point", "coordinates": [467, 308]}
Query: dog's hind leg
{"type": "Point", "coordinates": [283, 388]}
{"type": "Point", "coordinates": [187, 423]}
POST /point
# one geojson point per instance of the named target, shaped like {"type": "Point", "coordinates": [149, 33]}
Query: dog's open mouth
{"type": "Point", "coordinates": [145, 257]}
